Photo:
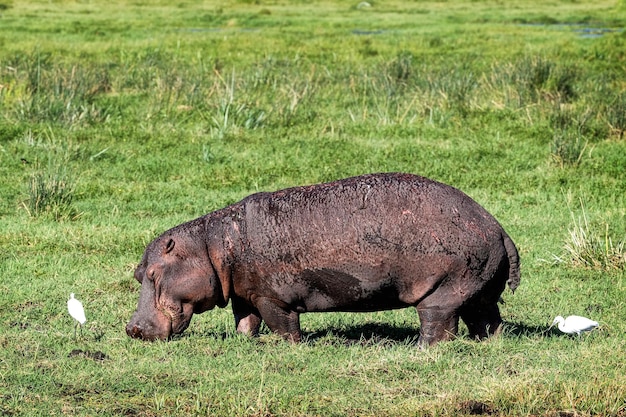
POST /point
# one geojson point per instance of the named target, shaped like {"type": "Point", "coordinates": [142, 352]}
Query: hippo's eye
{"type": "Point", "coordinates": [150, 274]}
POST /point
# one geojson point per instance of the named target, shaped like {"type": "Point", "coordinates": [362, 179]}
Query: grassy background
{"type": "Point", "coordinates": [121, 119]}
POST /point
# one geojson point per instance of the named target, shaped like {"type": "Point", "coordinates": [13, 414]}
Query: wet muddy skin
{"type": "Point", "coordinates": [369, 243]}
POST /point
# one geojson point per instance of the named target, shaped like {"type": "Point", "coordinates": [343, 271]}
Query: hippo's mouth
{"type": "Point", "coordinates": [179, 320]}
{"type": "Point", "coordinates": [148, 330]}
{"type": "Point", "coordinates": [180, 326]}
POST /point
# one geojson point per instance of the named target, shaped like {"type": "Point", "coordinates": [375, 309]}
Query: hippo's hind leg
{"type": "Point", "coordinates": [247, 318]}
{"type": "Point", "coordinates": [436, 324]}
{"type": "Point", "coordinates": [482, 320]}
{"type": "Point", "coordinates": [280, 320]}
{"type": "Point", "coordinates": [481, 313]}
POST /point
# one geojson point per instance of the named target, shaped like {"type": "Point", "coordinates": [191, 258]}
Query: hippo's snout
{"type": "Point", "coordinates": [134, 330]}
{"type": "Point", "coordinates": [146, 330]}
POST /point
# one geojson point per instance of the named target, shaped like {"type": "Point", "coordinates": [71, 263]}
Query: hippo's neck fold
{"type": "Point", "coordinates": [223, 242]}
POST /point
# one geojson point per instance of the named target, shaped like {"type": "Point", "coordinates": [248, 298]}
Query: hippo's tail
{"type": "Point", "coordinates": [514, 272]}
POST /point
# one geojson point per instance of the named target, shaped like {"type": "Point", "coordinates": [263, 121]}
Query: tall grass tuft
{"type": "Point", "coordinates": [568, 147]}
{"type": "Point", "coordinates": [531, 80]}
{"type": "Point", "coordinates": [230, 115]}
{"type": "Point", "coordinates": [530, 76]}
{"type": "Point", "coordinates": [456, 86]}
{"type": "Point", "coordinates": [616, 115]}
{"type": "Point", "coordinates": [570, 136]}
{"type": "Point", "coordinates": [590, 247]}
{"type": "Point", "coordinates": [400, 68]}
{"type": "Point", "coordinates": [51, 191]}
{"type": "Point", "coordinates": [561, 84]}
{"type": "Point", "coordinates": [58, 93]}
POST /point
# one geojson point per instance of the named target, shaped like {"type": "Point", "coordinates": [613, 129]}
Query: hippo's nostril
{"type": "Point", "coordinates": [137, 331]}
{"type": "Point", "coordinates": [134, 331]}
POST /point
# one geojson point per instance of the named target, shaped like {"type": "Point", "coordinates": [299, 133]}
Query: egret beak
{"type": "Point", "coordinates": [552, 325]}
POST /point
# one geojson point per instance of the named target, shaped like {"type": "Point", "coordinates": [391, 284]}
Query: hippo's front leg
{"type": "Point", "coordinates": [247, 318]}
{"type": "Point", "coordinates": [280, 320]}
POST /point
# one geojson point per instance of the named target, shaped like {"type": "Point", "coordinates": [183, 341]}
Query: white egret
{"type": "Point", "coordinates": [75, 308]}
{"type": "Point", "coordinates": [574, 324]}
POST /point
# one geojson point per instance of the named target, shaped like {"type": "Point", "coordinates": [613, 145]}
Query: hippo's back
{"type": "Point", "coordinates": [371, 216]}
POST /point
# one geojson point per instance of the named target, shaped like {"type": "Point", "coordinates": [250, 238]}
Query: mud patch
{"type": "Point", "coordinates": [20, 325]}
{"type": "Point", "coordinates": [475, 408]}
{"type": "Point", "coordinates": [96, 356]}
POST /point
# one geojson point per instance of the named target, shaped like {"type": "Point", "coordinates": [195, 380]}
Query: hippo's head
{"type": "Point", "coordinates": [177, 279]}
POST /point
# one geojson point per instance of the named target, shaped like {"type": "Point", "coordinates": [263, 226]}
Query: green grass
{"type": "Point", "coordinates": [120, 120]}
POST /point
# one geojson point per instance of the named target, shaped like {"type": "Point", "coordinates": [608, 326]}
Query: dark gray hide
{"type": "Point", "coordinates": [368, 243]}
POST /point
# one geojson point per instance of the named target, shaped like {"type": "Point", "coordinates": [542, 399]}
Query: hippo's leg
{"type": "Point", "coordinates": [281, 321]}
{"type": "Point", "coordinates": [436, 324]}
{"type": "Point", "coordinates": [247, 318]}
{"type": "Point", "coordinates": [481, 313]}
{"type": "Point", "coordinates": [482, 320]}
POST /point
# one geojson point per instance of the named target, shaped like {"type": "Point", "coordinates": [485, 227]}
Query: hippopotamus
{"type": "Point", "coordinates": [368, 243]}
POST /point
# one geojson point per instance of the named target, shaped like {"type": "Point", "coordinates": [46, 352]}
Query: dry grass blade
{"type": "Point", "coordinates": [588, 248]}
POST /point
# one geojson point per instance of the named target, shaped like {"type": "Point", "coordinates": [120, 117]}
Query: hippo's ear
{"type": "Point", "coordinates": [170, 246]}
{"type": "Point", "coordinates": [139, 273]}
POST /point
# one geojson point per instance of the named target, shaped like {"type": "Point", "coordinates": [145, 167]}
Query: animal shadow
{"type": "Point", "coordinates": [380, 333]}
{"type": "Point", "coordinates": [367, 335]}
{"type": "Point", "coordinates": [371, 334]}
{"type": "Point", "coordinates": [520, 330]}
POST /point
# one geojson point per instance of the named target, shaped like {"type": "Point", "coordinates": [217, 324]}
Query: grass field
{"type": "Point", "coordinates": [121, 119]}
